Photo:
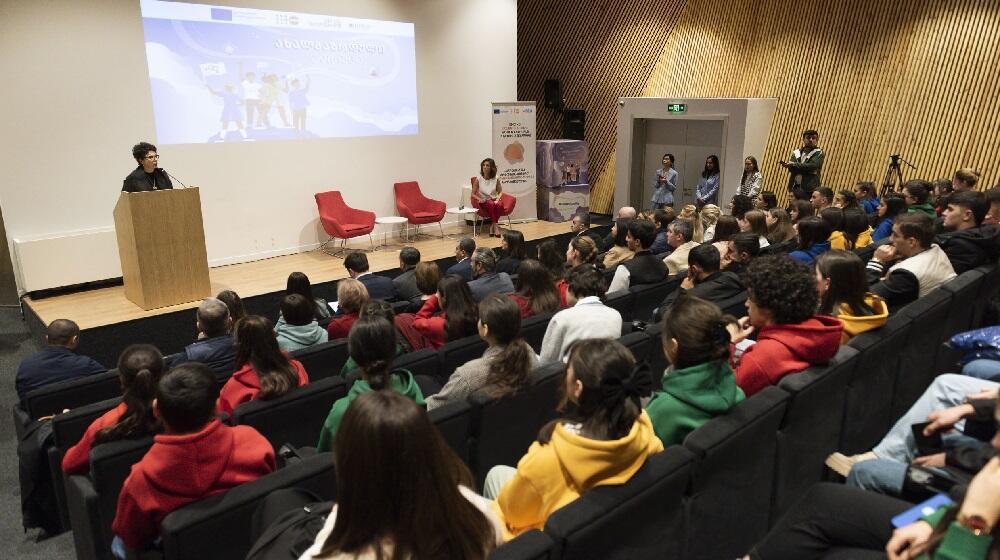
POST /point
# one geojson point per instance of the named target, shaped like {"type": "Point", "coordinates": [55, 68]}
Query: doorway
{"type": "Point", "coordinates": [691, 141]}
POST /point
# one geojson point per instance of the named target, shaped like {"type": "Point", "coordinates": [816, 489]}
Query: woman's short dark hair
{"type": "Point", "coordinates": [140, 150]}
{"type": "Point", "coordinates": [726, 228]}
{"type": "Point", "coordinates": [813, 230]}
{"type": "Point", "coordinates": [621, 230]}
{"type": "Point", "coordinates": [459, 309]}
{"type": "Point", "coordinates": [296, 310]}
{"type": "Point", "coordinates": [585, 281]}
{"type": "Point", "coordinates": [372, 345]}
{"type": "Point", "coordinates": [140, 368]}
{"type": "Point", "coordinates": [699, 328]}
{"type": "Point", "coordinates": [492, 168]}
{"type": "Point", "coordinates": [535, 283]}
{"type": "Point", "coordinates": [515, 244]}
{"type": "Point", "coordinates": [427, 276]}
{"type": "Point", "coordinates": [848, 283]}
{"type": "Point", "coordinates": [234, 303]}
{"type": "Point", "coordinates": [741, 205]}
{"type": "Point", "coordinates": [256, 345]}
{"type": "Point", "coordinates": [714, 159]}
{"type": "Point", "coordinates": [783, 286]}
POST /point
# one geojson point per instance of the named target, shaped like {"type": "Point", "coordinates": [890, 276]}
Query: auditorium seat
{"type": "Point", "coordinates": [989, 289]}
{"type": "Point", "coordinates": [728, 505]}
{"type": "Point", "coordinates": [640, 345]}
{"type": "Point", "coordinates": [918, 359]}
{"type": "Point", "coordinates": [217, 527]}
{"type": "Point", "coordinates": [964, 291]}
{"type": "Point", "coordinates": [503, 429]}
{"type": "Point", "coordinates": [323, 360]}
{"type": "Point", "coordinates": [621, 301]}
{"type": "Point", "coordinates": [533, 330]}
{"type": "Point", "coordinates": [641, 519]}
{"type": "Point", "coordinates": [340, 221]}
{"type": "Point", "coordinates": [295, 417]}
{"type": "Point", "coordinates": [657, 359]}
{"type": "Point", "coordinates": [423, 362]}
{"type": "Point", "coordinates": [810, 430]}
{"type": "Point", "coordinates": [457, 352]}
{"type": "Point", "coordinates": [454, 421]}
{"type": "Point", "coordinates": [530, 545]}
{"type": "Point", "coordinates": [417, 208]}
{"type": "Point", "coordinates": [56, 397]}
{"type": "Point", "coordinates": [647, 297]}
{"type": "Point", "coordinates": [93, 499]}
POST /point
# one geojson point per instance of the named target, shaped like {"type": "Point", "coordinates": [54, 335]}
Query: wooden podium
{"type": "Point", "coordinates": [161, 243]}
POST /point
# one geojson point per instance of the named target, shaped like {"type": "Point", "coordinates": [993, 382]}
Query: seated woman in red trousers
{"type": "Point", "coordinates": [486, 191]}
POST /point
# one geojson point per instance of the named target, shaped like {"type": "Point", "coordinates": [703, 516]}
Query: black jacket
{"type": "Point", "coordinates": [138, 180]}
{"type": "Point", "coordinates": [970, 248]}
{"type": "Point", "coordinates": [723, 288]}
{"type": "Point", "coordinates": [645, 268]}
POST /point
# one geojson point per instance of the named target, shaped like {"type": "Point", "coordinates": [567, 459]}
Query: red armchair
{"type": "Point", "coordinates": [507, 204]}
{"type": "Point", "coordinates": [340, 221]}
{"type": "Point", "coordinates": [417, 208]}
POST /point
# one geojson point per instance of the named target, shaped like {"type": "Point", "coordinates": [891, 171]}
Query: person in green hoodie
{"type": "Point", "coordinates": [297, 326]}
{"type": "Point", "coordinates": [372, 344]}
{"type": "Point", "coordinates": [699, 384]}
{"type": "Point", "coordinates": [379, 308]}
{"type": "Point", "coordinates": [917, 194]}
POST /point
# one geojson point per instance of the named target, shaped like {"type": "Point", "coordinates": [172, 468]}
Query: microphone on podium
{"type": "Point", "coordinates": [172, 177]}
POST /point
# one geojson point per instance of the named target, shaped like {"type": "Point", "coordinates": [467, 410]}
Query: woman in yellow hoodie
{"type": "Point", "coordinates": [842, 287]}
{"type": "Point", "coordinates": [604, 438]}
{"type": "Point", "coordinates": [855, 231]}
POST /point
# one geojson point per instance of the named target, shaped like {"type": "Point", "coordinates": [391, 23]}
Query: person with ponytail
{"type": "Point", "coordinates": [582, 250]}
{"type": "Point", "coordinates": [457, 318]}
{"type": "Point", "coordinates": [372, 345]}
{"type": "Point", "coordinates": [603, 438]}
{"type": "Point", "coordinates": [699, 384]}
{"type": "Point", "coordinates": [401, 491]}
{"type": "Point", "coordinates": [263, 371]}
{"type": "Point", "coordinates": [507, 363]}
{"type": "Point", "coordinates": [139, 369]}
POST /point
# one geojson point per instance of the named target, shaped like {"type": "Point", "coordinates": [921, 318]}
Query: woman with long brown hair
{"type": "Point", "coordinates": [779, 226]}
{"type": "Point", "coordinates": [457, 316]}
{"type": "Point", "coordinates": [843, 292]}
{"type": "Point", "coordinates": [536, 292]}
{"type": "Point", "coordinates": [263, 371]}
{"type": "Point", "coordinates": [505, 366]}
{"type": "Point", "coordinates": [401, 491]}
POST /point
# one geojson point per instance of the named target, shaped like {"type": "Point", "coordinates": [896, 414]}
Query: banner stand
{"type": "Point", "coordinates": [514, 137]}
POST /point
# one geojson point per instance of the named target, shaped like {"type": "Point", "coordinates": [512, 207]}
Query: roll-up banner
{"type": "Point", "coordinates": [514, 153]}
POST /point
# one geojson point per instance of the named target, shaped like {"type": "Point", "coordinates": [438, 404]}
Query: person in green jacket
{"type": "Point", "coordinates": [379, 308]}
{"type": "Point", "coordinates": [917, 194]}
{"type": "Point", "coordinates": [699, 385]}
{"type": "Point", "coordinates": [372, 344]}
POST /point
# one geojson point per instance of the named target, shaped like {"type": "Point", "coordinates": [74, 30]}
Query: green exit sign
{"type": "Point", "coordinates": [677, 107]}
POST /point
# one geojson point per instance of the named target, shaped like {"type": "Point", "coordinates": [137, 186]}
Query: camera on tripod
{"type": "Point", "coordinates": [893, 180]}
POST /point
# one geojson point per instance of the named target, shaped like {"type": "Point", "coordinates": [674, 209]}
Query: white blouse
{"type": "Point", "coordinates": [487, 187]}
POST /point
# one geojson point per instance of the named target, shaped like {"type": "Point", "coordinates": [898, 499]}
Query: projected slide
{"type": "Point", "coordinates": [222, 74]}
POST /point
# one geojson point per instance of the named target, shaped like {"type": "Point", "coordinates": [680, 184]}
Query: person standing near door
{"type": "Point", "coordinates": [804, 166]}
{"type": "Point", "coordinates": [664, 183]}
{"type": "Point", "coordinates": [708, 184]}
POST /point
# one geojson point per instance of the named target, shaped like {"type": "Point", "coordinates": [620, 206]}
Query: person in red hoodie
{"type": "Point", "coordinates": [139, 369]}
{"type": "Point", "coordinates": [458, 313]}
{"type": "Point", "coordinates": [263, 371]}
{"type": "Point", "coordinates": [351, 297]}
{"type": "Point", "coordinates": [197, 457]}
{"type": "Point", "coordinates": [781, 307]}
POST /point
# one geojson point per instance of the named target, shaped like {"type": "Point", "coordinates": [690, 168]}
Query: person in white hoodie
{"type": "Point", "coordinates": [297, 327]}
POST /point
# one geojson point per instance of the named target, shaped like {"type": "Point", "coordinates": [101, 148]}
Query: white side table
{"type": "Point", "coordinates": [389, 221]}
{"type": "Point", "coordinates": [464, 212]}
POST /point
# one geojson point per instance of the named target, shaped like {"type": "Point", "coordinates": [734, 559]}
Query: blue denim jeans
{"type": "Point", "coordinates": [982, 369]}
{"type": "Point", "coordinates": [886, 476]}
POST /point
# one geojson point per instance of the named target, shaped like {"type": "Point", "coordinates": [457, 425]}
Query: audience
{"type": "Point", "coordinates": [755, 221]}
{"type": "Point", "coordinates": [799, 209]}
{"type": "Point", "coordinates": [372, 345]}
{"type": "Point", "coordinates": [679, 234]}
{"type": "Point", "coordinates": [814, 239]}
{"type": "Point", "coordinates": [710, 214]}
{"type": "Point", "coordinates": [235, 305]}
{"type": "Point", "coordinates": [725, 229]}
{"type": "Point", "coordinates": [739, 205]}
{"type": "Point", "coordinates": [965, 179]}
{"type": "Point", "coordinates": [401, 491]}
{"type": "Point", "coordinates": [579, 252]}
{"type": "Point", "coordinates": [351, 297]}
{"type": "Point", "coordinates": [586, 317]}
{"type": "Point", "coordinates": [215, 347]}
{"type": "Point", "coordinates": [378, 287]}
{"type": "Point", "coordinates": [740, 250]}
{"type": "Point", "coordinates": [644, 267]}
{"type": "Point", "coordinates": [765, 201]}
{"type": "Point", "coordinates": [553, 258]}
{"type": "Point", "coordinates": [463, 254]}
{"type": "Point", "coordinates": [834, 217]}
{"type": "Point", "coordinates": [57, 361]}
{"type": "Point", "coordinates": [889, 207]}
{"type": "Point", "coordinates": [917, 194]}
{"type": "Point", "coordinates": [911, 266]}
{"type": "Point", "coordinates": [619, 252]}
{"type": "Point", "coordinates": [843, 293]}
{"type": "Point", "coordinates": [298, 283]}
{"type": "Point", "coordinates": [943, 190]}
{"type": "Point", "coordinates": [427, 276]}
{"type": "Point", "coordinates": [624, 213]}
{"type": "Point", "coordinates": [966, 241]}
{"type": "Point", "coordinates": [856, 233]}
{"type": "Point", "coordinates": [604, 439]}
{"type": "Point", "coordinates": [377, 308]}
{"type": "Point", "coordinates": [699, 384]}
{"type": "Point", "coordinates": [263, 370]}
{"type": "Point", "coordinates": [782, 303]}
{"type": "Point", "coordinates": [845, 199]}
{"type": "Point", "coordinates": [487, 279]}
{"type": "Point", "coordinates": [139, 369]}
{"type": "Point", "coordinates": [457, 317]}
{"type": "Point", "coordinates": [580, 225]}
{"type": "Point", "coordinates": [821, 198]}
{"type": "Point", "coordinates": [690, 213]}
{"type": "Point", "coordinates": [196, 457]}
{"type": "Point", "coordinates": [993, 216]}
{"type": "Point", "coordinates": [513, 250]}
{"type": "Point", "coordinates": [505, 366]}
{"type": "Point", "coordinates": [405, 285]}
{"type": "Point", "coordinates": [297, 327]}
{"type": "Point", "coordinates": [780, 230]}
{"type": "Point", "coordinates": [536, 292]}
{"type": "Point", "coordinates": [661, 219]}
{"type": "Point", "coordinates": [706, 281]}
{"type": "Point", "coordinates": [864, 193]}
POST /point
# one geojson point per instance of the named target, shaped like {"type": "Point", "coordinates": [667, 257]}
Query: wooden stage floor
{"type": "Point", "coordinates": [106, 306]}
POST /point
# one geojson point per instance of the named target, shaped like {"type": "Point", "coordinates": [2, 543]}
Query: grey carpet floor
{"type": "Point", "coordinates": [16, 343]}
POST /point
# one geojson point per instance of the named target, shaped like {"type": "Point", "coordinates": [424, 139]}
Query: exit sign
{"type": "Point", "coordinates": [677, 107]}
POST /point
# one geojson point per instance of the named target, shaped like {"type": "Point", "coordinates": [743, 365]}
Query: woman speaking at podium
{"type": "Point", "coordinates": [486, 192]}
{"type": "Point", "coordinates": [146, 177]}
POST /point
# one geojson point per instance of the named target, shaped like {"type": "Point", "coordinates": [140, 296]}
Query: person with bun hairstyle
{"type": "Point", "coordinates": [580, 251]}
{"type": "Point", "coordinates": [457, 317]}
{"type": "Point", "coordinates": [699, 384]}
{"type": "Point", "coordinates": [603, 438]}
{"type": "Point", "coordinates": [842, 286]}
{"type": "Point", "coordinates": [506, 365]}
{"type": "Point", "coordinates": [263, 371]}
{"type": "Point", "coordinates": [139, 369]}
{"type": "Point", "coordinates": [965, 179]}
{"type": "Point", "coordinates": [372, 345]}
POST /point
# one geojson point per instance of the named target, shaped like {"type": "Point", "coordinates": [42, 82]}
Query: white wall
{"type": "Point", "coordinates": [77, 98]}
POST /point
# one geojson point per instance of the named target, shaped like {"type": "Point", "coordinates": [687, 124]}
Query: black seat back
{"type": "Point", "coordinates": [295, 417]}
{"type": "Point", "coordinates": [457, 352]}
{"type": "Point", "coordinates": [54, 398]}
{"type": "Point", "coordinates": [964, 291]}
{"type": "Point", "coordinates": [533, 330]}
{"type": "Point", "coordinates": [503, 429]}
{"type": "Point", "coordinates": [733, 477]}
{"type": "Point", "coordinates": [217, 527]}
{"type": "Point", "coordinates": [622, 302]}
{"type": "Point", "coordinates": [989, 289]}
{"type": "Point", "coordinates": [810, 430]}
{"type": "Point", "coordinates": [653, 495]}
{"type": "Point", "coordinates": [918, 359]}
{"type": "Point", "coordinates": [323, 360]}
{"type": "Point", "coordinates": [657, 359]}
{"type": "Point", "coordinates": [454, 422]}
{"type": "Point", "coordinates": [647, 297]}
{"type": "Point", "coordinates": [421, 362]}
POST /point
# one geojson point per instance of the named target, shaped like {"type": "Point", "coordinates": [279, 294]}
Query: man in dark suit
{"type": "Point", "coordinates": [57, 361]}
{"type": "Point", "coordinates": [488, 280]}
{"type": "Point", "coordinates": [463, 254]}
{"type": "Point", "coordinates": [215, 346]}
{"type": "Point", "coordinates": [406, 283]}
{"type": "Point", "coordinates": [580, 226]}
{"type": "Point", "coordinates": [379, 287]}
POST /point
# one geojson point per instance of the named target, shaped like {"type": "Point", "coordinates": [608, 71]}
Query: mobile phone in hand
{"type": "Point", "coordinates": [926, 445]}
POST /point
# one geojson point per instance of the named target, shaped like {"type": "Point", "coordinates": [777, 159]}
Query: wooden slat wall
{"type": "Point", "coordinates": [918, 78]}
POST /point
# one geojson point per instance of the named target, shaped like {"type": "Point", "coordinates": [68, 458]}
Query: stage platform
{"type": "Point", "coordinates": [109, 321]}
